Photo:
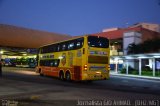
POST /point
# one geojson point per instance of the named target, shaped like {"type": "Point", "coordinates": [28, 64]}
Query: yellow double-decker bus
{"type": "Point", "coordinates": [81, 58]}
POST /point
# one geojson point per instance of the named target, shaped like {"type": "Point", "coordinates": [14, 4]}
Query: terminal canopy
{"type": "Point", "coordinates": [20, 41]}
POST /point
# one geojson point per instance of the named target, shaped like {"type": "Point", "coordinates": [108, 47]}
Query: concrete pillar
{"type": "Point", "coordinates": [153, 67]}
{"type": "Point", "coordinates": [140, 66]}
{"type": "Point", "coordinates": [151, 63]}
{"type": "Point", "coordinates": [116, 66]}
{"type": "Point", "coordinates": [127, 67]}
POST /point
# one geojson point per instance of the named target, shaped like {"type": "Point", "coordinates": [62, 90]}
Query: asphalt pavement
{"type": "Point", "coordinates": [26, 87]}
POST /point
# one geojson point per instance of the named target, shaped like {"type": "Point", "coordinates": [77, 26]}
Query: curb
{"type": "Point", "coordinates": [136, 76]}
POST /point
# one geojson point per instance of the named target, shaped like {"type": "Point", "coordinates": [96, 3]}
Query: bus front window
{"type": "Point", "coordinates": [96, 41]}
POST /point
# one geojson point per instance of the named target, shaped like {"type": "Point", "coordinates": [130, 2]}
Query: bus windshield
{"type": "Point", "coordinates": [96, 41]}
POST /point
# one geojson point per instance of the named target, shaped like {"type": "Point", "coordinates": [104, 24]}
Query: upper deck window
{"type": "Point", "coordinates": [96, 41]}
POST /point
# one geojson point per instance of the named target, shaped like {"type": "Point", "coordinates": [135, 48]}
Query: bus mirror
{"type": "Point", "coordinates": [83, 50]}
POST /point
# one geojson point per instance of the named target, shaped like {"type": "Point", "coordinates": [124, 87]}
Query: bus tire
{"type": "Point", "coordinates": [68, 76]}
{"type": "Point", "coordinates": [41, 72]}
{"type": "Point", "coordinates": [61, 75]}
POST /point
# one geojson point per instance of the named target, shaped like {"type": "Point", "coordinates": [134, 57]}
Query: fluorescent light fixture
{"type": "Point", "coordinates": [116, 58]}
{"type": "Point", "coordinates": [142, 57]}
{"type": "Point", "coordinates": [24, 54]}
{"type": "Point", "coordinates": [156, 56]}
{"type": "Point", "coordinates": [128, 57]}
{"type": "Point", "coordinates": [1, 52]}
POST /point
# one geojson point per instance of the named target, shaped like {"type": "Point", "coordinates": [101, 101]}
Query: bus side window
{"type": "Point", "coordinates": [43, 50]}
{"type": "Point", "coordinates": [56, 62]}
{"type": "Point", "coordinates": [41, 62]}
{"type": "Point", "coordinates": [64, 47]}
{"type": "Point", "coordinates": [49, 48]}
{"type": "Point", "coordinates": [47, 63]}
{"type": "Point", "coordinates": [58, 48]}
{"type": "Point", "coordinates": [51, 63]}
{"type": "Point", "coordinates": [79, 43]}
{"type": "Point", "coordinates": [68, 47]}
{"type": "Point", "coordinates": [40, 50]}
{"type": "Point", "coordinates": [53, 48]}
{"type": "Point", "coordinates": [71, 46]}
{"type": "Point", "coordinates": [46, 49]}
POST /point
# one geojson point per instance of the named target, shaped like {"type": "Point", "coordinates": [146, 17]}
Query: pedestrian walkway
{"type": "Point", "coordinates": [134, 76]}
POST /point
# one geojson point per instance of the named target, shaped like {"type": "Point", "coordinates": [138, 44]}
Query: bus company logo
{"type": "Point", "coordinates": [63, 61]}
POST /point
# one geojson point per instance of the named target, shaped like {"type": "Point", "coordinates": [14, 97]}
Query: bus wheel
{"type": "Point", "coordinates": [61, 75]}
{"type": "Point", "coordinates": [68, 76]}
{"type": "Point", "coordinates": [40, 72]}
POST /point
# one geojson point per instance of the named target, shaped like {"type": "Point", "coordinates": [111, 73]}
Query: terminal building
{"type": "Point", "coordinates": [142, 63]}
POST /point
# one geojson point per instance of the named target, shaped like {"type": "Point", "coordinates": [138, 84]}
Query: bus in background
{"type": "Point", "coordinates": [82, 58]}
{"type": "Point", "coordinates": [32, 62]}
{"type": "Point", "coordinates": [10, 62]}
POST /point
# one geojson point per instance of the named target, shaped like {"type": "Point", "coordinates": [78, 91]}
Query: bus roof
{"type": "Point", "coordinates": [74, 37]}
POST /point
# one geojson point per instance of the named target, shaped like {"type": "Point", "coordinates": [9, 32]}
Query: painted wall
{"type": "Point", "coordinates": [129, 38]}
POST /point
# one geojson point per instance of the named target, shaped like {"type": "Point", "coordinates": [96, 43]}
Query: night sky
{"type": "Point", "coordinates": [78, 17]}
